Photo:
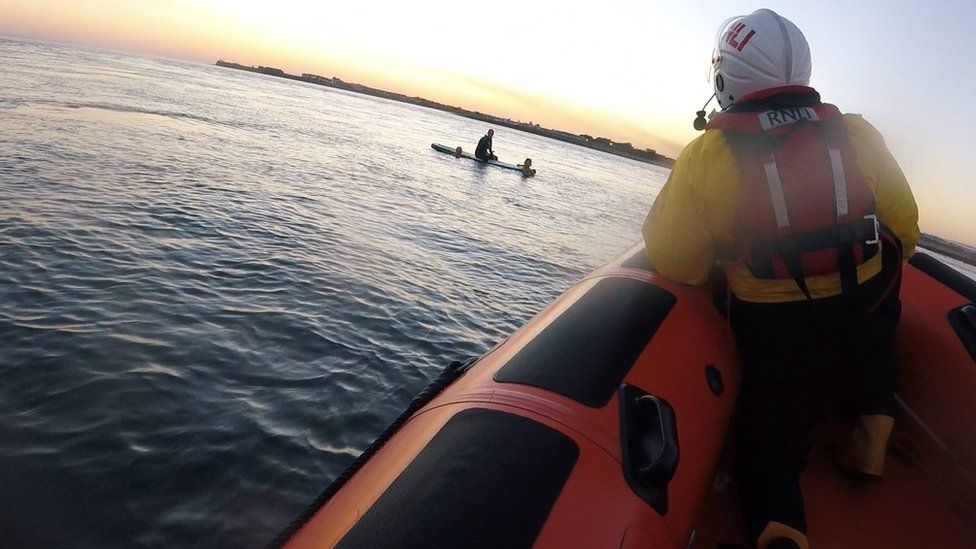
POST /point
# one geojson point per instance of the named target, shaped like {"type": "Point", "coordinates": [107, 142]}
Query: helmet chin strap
{"type": "Point", "coordinates": [700, 122]}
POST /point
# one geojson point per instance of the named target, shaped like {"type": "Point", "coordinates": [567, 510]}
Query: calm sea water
{"type": "Point", "coordinates": [216, 288]}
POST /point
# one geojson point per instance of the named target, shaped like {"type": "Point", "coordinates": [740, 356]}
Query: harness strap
{"type": "Point", "coordinates": [795, 268]}
{"type": "Point", "coordinates": [847, 266]}
{"type": "Point", "coordinates": [845, 235]}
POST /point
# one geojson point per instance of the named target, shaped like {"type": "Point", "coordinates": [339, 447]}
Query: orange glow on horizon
{"type": "Point", "coordinates": [200, 32]}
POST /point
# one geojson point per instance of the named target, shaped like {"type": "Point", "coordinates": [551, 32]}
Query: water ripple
{"type": "Point", "coordinates": [219, 287]}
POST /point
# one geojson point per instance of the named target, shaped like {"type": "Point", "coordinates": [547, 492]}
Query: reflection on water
{"type": "Point", "coordinates": [218, 287]}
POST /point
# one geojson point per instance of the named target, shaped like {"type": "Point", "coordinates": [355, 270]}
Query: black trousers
{"type": "Point", "coordinates": [798, 359]}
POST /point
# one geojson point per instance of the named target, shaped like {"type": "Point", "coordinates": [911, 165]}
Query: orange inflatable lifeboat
{"type": "Point", "coordinates": [603, 423]}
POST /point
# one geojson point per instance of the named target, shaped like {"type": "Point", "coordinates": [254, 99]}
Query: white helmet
{"type": "Point", "coordinates": [755, 52]}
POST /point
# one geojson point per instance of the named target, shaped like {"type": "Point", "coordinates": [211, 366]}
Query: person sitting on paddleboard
{"type": "Point", "coordinates": [484, 150]}
{"type": "Point", "coordinates": [457, 152]}
{"type": "Point", "coordinates": [527, 168]}
{"type": "Point", "coordinates": [811, 218]}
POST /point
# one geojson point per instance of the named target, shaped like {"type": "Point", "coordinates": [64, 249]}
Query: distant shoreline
{"type": "Point", "coordinates": [602, 144]}
{"type": "Point", "coordinates": [948, 248]}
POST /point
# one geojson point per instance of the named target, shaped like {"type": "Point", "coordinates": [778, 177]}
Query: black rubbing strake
{"type": "Point", "coordinates": [586, 352]}
{"type": "Point", "coordinates": [638, 261]}
{"type": "Point", "coordinates": [486, 479]}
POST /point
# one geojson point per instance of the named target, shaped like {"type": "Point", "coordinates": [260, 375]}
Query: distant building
{"type": "Point", "coordinates": [226, 64]}
{"type": "Point", "coordinates": [316, 78]}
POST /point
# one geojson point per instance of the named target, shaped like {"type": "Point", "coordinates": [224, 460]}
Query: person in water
{"type": "Point", "coordinates": [811, 218]}
{"type": "Point", "coordinates": [527, 168]}
{"type": "Point", "coordinates": [484, 149]}
{"type": "Point", "coordinates": [457, 152]}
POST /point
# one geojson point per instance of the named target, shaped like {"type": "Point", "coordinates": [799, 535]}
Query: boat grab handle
{"type": "Point", "coordinates": [649, 444]}
{"type": "Point", "coordinates": [963, 321]}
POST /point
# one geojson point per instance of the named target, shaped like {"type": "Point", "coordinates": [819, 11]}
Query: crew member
{"type": "Point", "coordinates": [811, 218]}
{"type": "Point", "coordinates": [484, 150]}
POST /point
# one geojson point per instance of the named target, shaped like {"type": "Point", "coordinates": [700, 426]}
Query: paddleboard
{"type": "Point", "coordinates": [464, 154]}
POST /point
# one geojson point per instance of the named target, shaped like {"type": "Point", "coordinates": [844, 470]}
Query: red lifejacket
{"type": "Point", "coordinates": [805, 207]}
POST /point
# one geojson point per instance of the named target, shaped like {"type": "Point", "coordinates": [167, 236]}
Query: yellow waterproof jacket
{"type": "Point", "coordinates": [694, 214]}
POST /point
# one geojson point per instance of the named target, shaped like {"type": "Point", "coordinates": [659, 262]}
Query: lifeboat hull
{"type": "Point", "coordinates": [603, 422]}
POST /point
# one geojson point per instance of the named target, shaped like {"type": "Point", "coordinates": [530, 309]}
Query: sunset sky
{"type": "Point", "coordinates": [624, 69]}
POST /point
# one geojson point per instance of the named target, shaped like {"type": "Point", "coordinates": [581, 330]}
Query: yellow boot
{"type": "Point", "coordinates": [864, 458]}
{"type": "Point", "coordinates": [777, 535]}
